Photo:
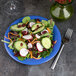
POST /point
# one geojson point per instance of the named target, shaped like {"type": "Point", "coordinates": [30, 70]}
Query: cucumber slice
{"type": "Point", "coordinates": [15, 28]}
{"type": "Point", "coordinates": [44, 22]}
{"type": "Point", "coordinates": [20, 23]}
{"type": "Point", "coordinates": [18, 46]}
{"type": "Point", "coordinates": [38, 30]}
{"type": "Point", "coordinates": [46, 42]}
{"type": "Point", "coordinates": [26, 19]}
{"type": "Point", "coordinates": [35, 26]}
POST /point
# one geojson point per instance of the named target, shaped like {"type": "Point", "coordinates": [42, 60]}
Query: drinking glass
{"type": "Point", "coordinates": [12, 7]}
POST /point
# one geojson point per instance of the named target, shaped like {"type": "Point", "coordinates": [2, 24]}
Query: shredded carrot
{"type": "Point", "coordinates": [29, 41]}
{"type": "Point", "coordinates": [21, 39]}
{"type": "Point", "coordinates": [8, 35]}
{"type": "Point", "coordinates": [38, 22]}
{"type": "Point", "coordinates": [55, 42]}
{"type": "Point", "coordinates": [34, 40]}
{"type": "Point", "coordinates": [8, 38]}
{"type": "Point", "coordinates": [36, 58]}
{"type": "Point", "coordinates": [13, 34]}
{"type": "Point", "coordinates": [49, 30]}
{"type": "Point", "coordinates": [31, 54]}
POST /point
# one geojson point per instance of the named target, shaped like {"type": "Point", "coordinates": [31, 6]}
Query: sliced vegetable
{"type": "Point", "coordinates": [49, 30]}
{"type": "Point", "coordinates": [34, 40]}
{"type": "Point", "coordinates": [20, 23]}
{"type": "Point", "coordinates": [5, 41]}
{"type": "Point", "coordinates": [31, 24]}
{"type": "Point", "coordinates": [46, 42]}
{"type": "Point", "coordinates": [35, 26]}
{"type": "Point", "coordinates": [24, 33]}
{"type": "Point", "coordinates": [13, 34]}
{"type": "Point", "coordinates": [39, 47]}
{"type": "Point", "coordinates": [8, 38]}
{"type": "Point", "coordinates": [16, 28]}
{"type": "Point", "coordinates": [27, 37]}
{"type": "Point", "coordinates": [26, 29]}
{"type": "Point", "coordinates": [19, 45]}
{"type": "Point", "coordinates": [26, 19]}
{"type": "Point", "coordinates": [29, 41]}
{"type": "Point", "coordinates": [31, 54]}
{"type": "Point", "coordinates": [37, 36]}
{"type": "Point", "coordinates": [11, 45]}
{"type": "Point", "coordinates": [54, 42]}
{"type": "Point", "coordinates": [30, 45]}
{"type": "Point", "coordinates": [21, 39]}
{"type": "Point", "coordinates": [44, 31]}
{"type": "Point", "coordinates": [36, 58]}
{"type": "Point", "coordinates": [38, 30]}
{"type": "Point", "coordinates": [23, 52]}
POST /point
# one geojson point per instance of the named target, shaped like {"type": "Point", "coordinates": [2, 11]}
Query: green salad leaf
{"type": "Point", "coordinates": [51, 24]}
{"type": "Point", "coordinates": [33, 20]}
{"type": "Point", "coordinates": [44, 22]}
{"type": "Point", "coordinates": [26, 19]}
{"type": "Point", "coordinates": [11, 45]}
{"type": "Point", "coordinates": [46, 34]}
{"type": "Point", "coordinates": [21, 58]}
{"type": "Point", "coordinates": [20, 34]}
{"type": "Point", "coordinates": [46, 53]}
{"type": "Point", "coordinates": [28, 55]}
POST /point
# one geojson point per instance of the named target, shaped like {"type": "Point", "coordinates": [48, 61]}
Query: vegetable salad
{"type": "Point", "coordinates": [31, 38]}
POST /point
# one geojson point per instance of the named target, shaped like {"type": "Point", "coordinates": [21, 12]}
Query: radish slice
{"type": "Point", "coordinates": [29, 45]}
{"type": "Point", "coordinates": [31, 24]}
{"type": "Point", "coordinates": [39, 47]}
{"type": "Point", "coordinates": [44, 31]}
{"type": "Point", "coordinates": [27, 37]}
{"type": "Point", "coordinates": [23, 52]}
{"type": "Point", "coordinates": [37, 36]}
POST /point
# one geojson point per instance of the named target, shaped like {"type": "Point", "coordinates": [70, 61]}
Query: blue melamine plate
{"type": "Point", "coordinates": [56, 36]}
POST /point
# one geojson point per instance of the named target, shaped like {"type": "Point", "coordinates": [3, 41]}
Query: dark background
{"type": "Point", "coordinates": [66, 65]}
